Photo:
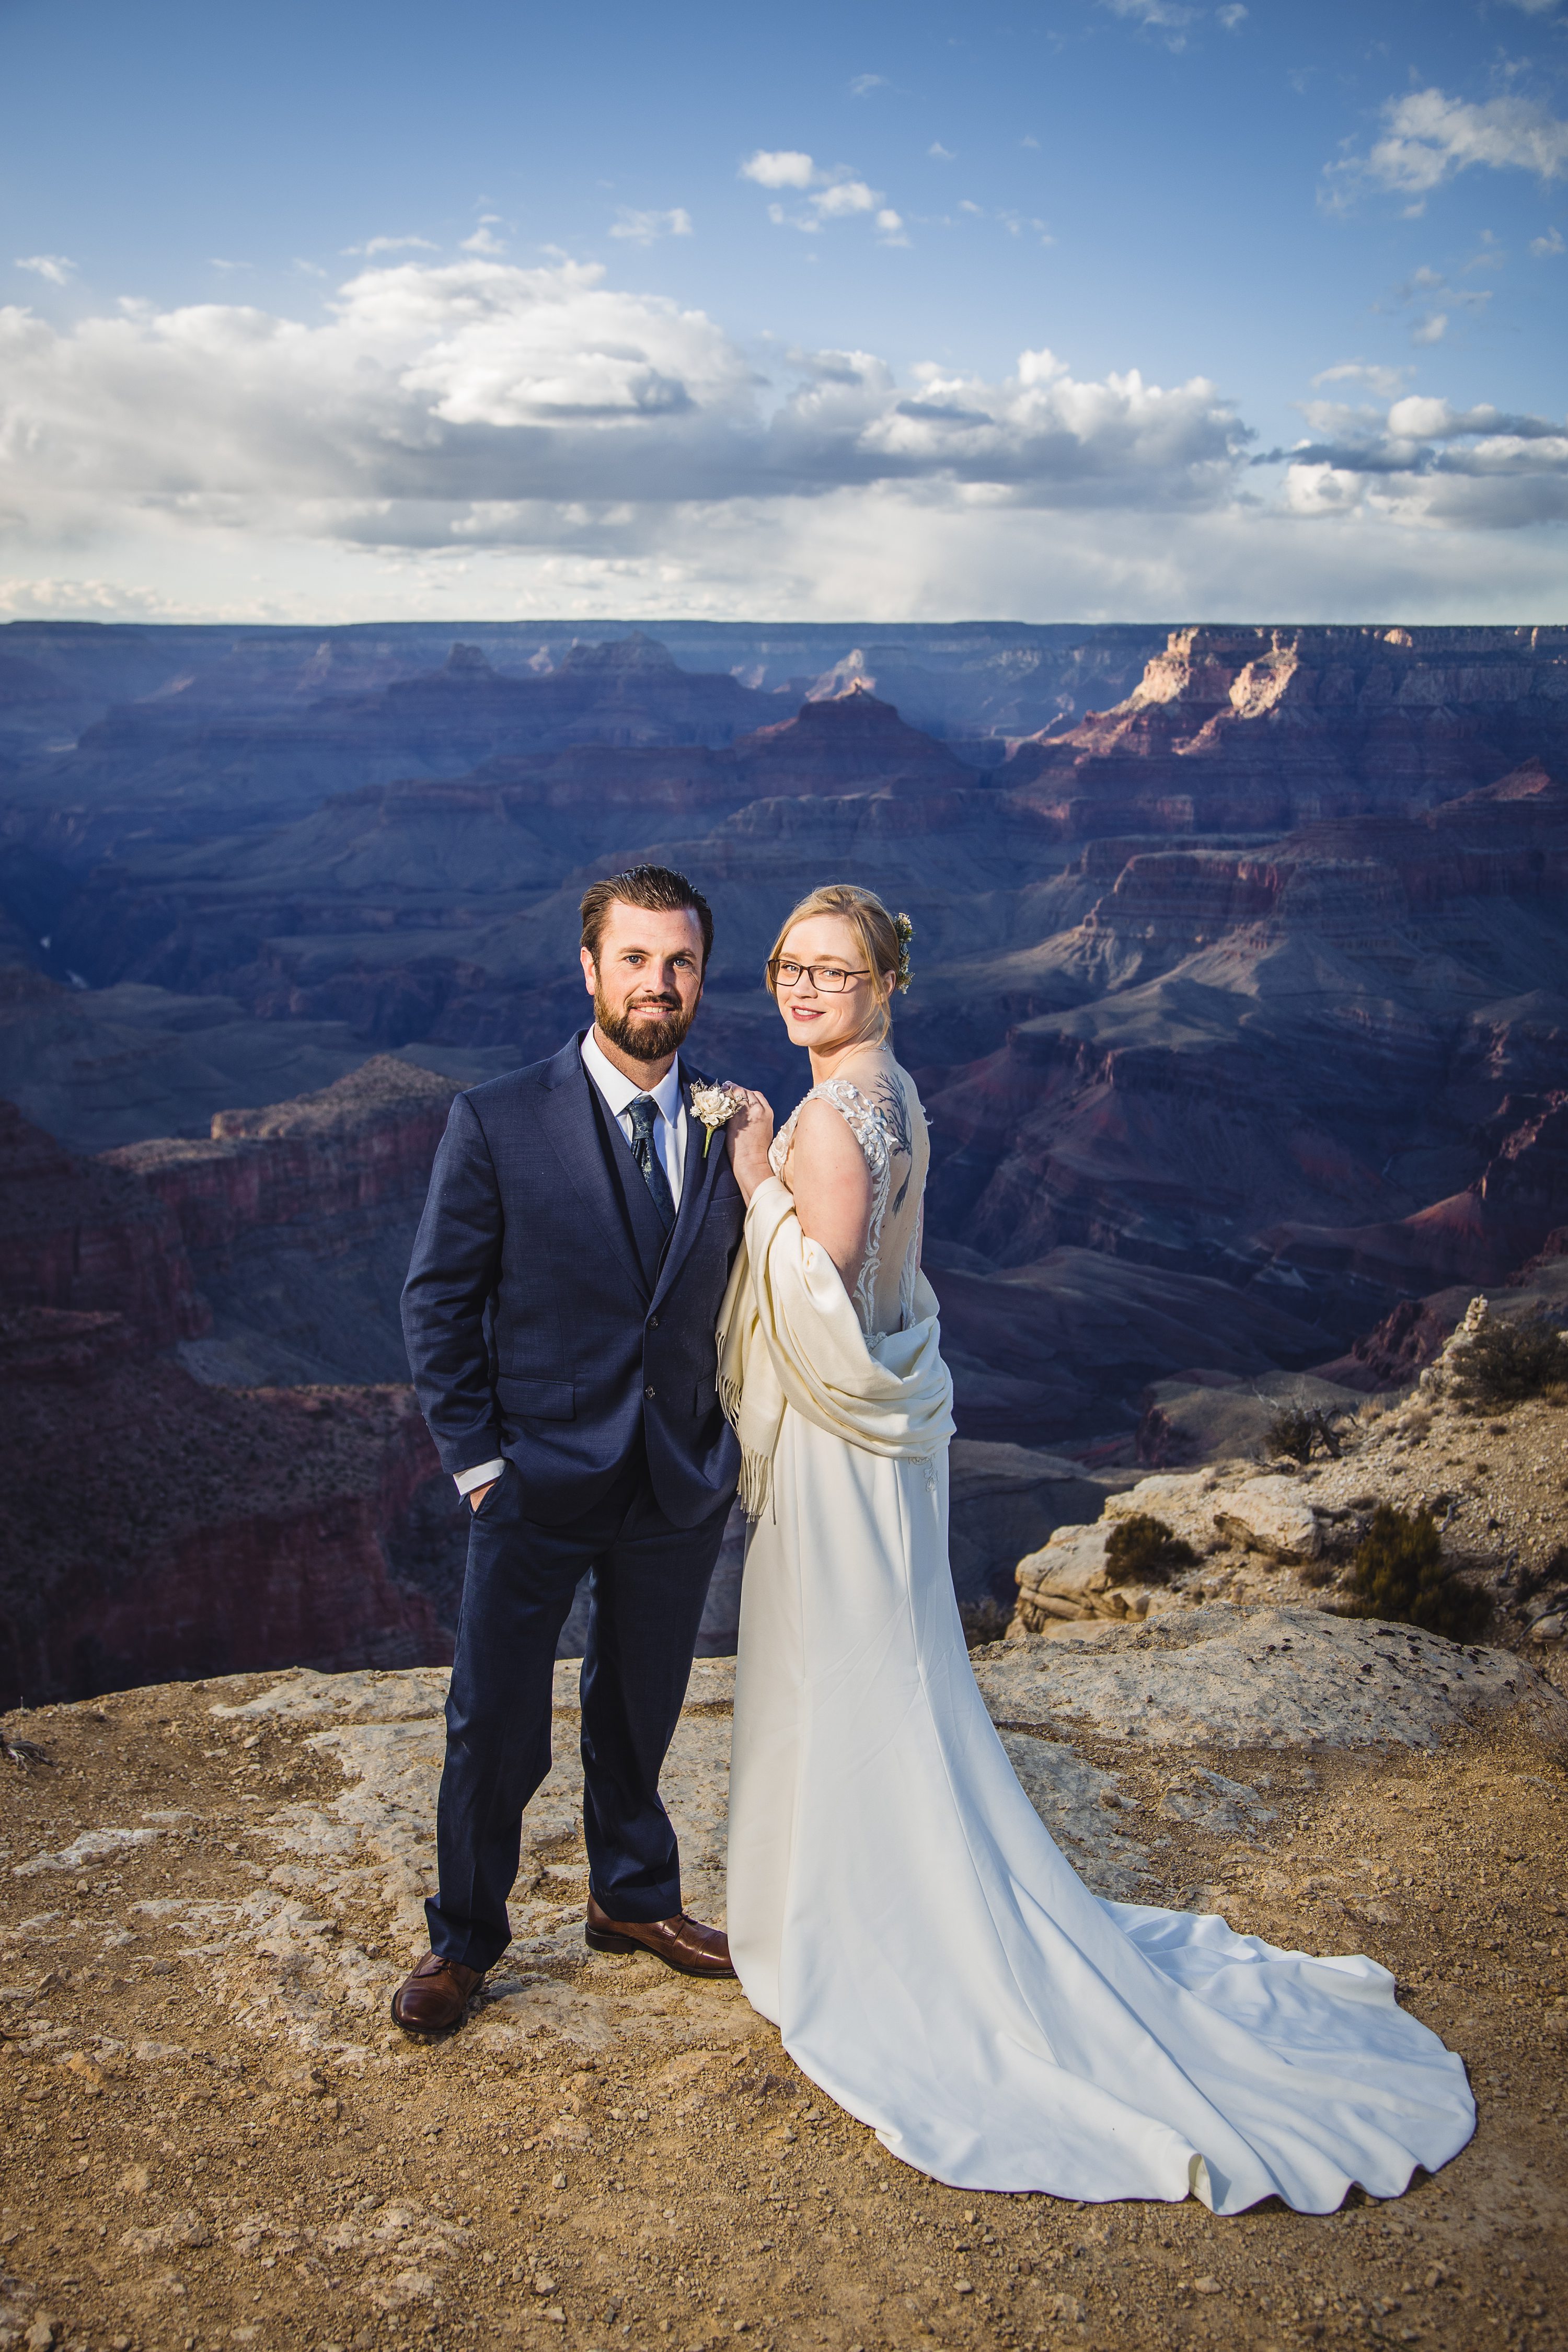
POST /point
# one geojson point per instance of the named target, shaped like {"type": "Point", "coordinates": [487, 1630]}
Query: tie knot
{"type": "Point", "coordinates": [644, 1111]}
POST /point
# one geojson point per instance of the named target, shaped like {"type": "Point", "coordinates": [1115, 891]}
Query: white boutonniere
{"type": "Point", "coordinates": [714, 1105]}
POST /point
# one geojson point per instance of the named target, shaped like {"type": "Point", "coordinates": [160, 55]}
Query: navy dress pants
{"type": "Point", "coordinates": [650, 1581]}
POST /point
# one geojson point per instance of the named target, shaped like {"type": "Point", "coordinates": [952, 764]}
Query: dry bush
{"type": "Point", "coordinates": [1299, 1431]}
{"type": "Point", "coordinates": [1143, 1550]}
{"type": "Point", "coordinates": [1508, 1363]}
{"type": "Point", "coordinates": [982, 1621]}
{"type": "Point", "coordinates": [1399, 1574]}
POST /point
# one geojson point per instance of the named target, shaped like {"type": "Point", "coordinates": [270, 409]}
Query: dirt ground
{"type": "Point", "coordinates": [179, 2173]}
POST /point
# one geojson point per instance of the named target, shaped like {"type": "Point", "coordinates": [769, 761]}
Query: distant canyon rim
{"type": "Point", "coordinates": [1239, 1014]}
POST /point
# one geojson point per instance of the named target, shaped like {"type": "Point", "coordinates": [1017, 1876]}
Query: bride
{"type": "Point", "coordinates": [895, 1905]}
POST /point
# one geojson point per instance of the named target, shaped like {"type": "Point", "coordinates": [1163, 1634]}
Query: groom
{"type": "Point", "coordinates": [559, 1313]}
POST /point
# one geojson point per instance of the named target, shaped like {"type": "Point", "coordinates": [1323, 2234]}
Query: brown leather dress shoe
{"type": "Point", "coordinates": [434, 1999]}
{"type": "Point", "coordinates": [680, 1943]}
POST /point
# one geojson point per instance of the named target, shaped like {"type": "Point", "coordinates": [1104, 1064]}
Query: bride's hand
{"type": "Point", "coordinates": [748, 1132]}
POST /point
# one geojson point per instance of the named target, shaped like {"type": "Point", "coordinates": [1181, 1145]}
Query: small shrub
{"type": "Point", "coordinates": [1399, 1574]}
{"type": "Point", "coordinates": [1143, 1550]}
{"type": "Point", "coordinates": [1299, 1430]}
{"type": "Point", "coordinates": [1508, 1363]}
{"type": "Point", "coordinates": [982, 1621]}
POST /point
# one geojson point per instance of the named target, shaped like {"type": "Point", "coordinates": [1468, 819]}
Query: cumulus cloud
{"type": "Point", "coordinates": [466, 400]}
{"type": "Point", "coordinates": [1547, 247]}
{"type": "Point", "coordinates": [1424, 462]}
{"type": "Point", "coordinates": [58, 268]}
{"type": "Point", "coordinates": [862, 83]}
{"type": "Point", "coordinates": [1232, 16]}
{"type": "Point", "coordinates": [833, 193]}
{"type": "Point", "coordinates": [448, 428]}
{"type": "Point", "coordinates": [779, 167]}
{"type": "Point", "coordinates": [1428, 138]}
{"type": "Point", "coordinates": [484, 239]}
{"type": "Point", "coordinates": [647, 229]}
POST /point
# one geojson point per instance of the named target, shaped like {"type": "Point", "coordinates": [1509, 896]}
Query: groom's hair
{"type": "Point", "coordinates": [657, 888]}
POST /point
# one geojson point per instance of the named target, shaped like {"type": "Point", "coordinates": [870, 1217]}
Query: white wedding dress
{"type": "Point", "coordinates": [898, 1909]}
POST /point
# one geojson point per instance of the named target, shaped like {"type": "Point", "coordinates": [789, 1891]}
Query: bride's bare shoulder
{"type": "Point", "coordinates": [824, 1140]}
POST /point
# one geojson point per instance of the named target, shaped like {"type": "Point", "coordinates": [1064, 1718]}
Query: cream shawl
{"type": "Point", "coordinates": [788, 1335]}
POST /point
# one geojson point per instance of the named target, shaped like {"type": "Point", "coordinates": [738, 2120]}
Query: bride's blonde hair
{"type": "Point", "coordinates": [884, 939]}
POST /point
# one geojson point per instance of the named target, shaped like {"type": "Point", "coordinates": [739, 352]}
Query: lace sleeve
{"type": "Point", "coordinates": [868, 1126]}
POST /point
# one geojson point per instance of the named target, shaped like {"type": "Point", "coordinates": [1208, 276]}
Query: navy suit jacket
{"type": "Point", "coordinates": [547, 1319]}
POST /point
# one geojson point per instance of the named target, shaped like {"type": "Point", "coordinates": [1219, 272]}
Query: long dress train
{"type": "Point", "coordinates": [896, 1905]}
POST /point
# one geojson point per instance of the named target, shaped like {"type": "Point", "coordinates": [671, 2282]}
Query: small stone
{"type": "Point", "coordinates": [545, 2286]}
{"type": "Point", "coordinates": [558, 2181]}
{"type": "Point", "coordinates": [1549, 1628]}
{"type": "Point", "coordinates": [555, 2314]}
{"type": "Point", "coordinates": [40, 2336]}
{"type": "Point", "coordinates": [1206, 2286]}
{"type": "Point", "coordinates": [966, 2286]}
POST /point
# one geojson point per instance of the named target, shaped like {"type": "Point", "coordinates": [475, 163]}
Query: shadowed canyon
{"type": "Point", "coordinates": [1240, 1015]}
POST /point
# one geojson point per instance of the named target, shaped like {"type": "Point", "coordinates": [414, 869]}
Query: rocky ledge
{"type": "Point", "coordinates": [1264, 1531]}
{"type": "Point", "coordinates": [209, 1890]}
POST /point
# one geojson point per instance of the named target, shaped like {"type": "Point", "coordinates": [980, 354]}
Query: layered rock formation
{"type": "Point", "coordinates": [79, 1236]}
{"type": "Point", "coordinates": [299, 1220]}
{"type": "Point", "coordinates": [169, 1508]}
{"type": "Point", "coordinates": [1257, 730]}
{"type": "Point", "coordinates": [1238, 1009]}
{"type": "Point", "coordinates": [155, 1524]}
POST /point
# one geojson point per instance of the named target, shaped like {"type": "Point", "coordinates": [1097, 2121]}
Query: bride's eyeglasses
{"type": "Point", "coordinates": [830, 978]}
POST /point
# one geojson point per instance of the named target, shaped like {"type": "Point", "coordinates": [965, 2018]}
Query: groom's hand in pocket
{"type": "Point", "coordinates": [478, 1494]}
{"type": "Point", "coordinates": [747, 1136]}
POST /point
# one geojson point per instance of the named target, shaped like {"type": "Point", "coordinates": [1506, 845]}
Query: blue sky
{"type": "Point", "coordinates": [899, 312]}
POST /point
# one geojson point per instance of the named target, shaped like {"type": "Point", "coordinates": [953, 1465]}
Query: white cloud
{"type": "Point", "coordinates": [1430, 466]}
{"type": "Point", "coordinates": [942, 155]}
{"type": "Point", "coordinates": [864, 82]}
{"type": "Point", "coordinates": [644, 228]}
{"type": "Point", "coordinates": [1546, 248]}
{"type": "Point", "coordinates": [1387, 380]}
{"type": "Point", "coordinates": [1429, 137]}
{"type": "Point", "coordinates": [1430, 330]}
{"type": "Point", "coordinates": [374, 245]}
{"type": "Point", "coordinates": [469, 398]}
{"type": "Point", "coordinates": [834, 194]}
{"type": "Point", "coordinates": [55, 267]}
{"type": "Point", "coordinates": [1232, 17]}
{"type": "Point", "coordinates": [1028, 139]}
{"type": "Point", "coordinates": [779, 167]}
{"type": "Point", "coordinates": [473, 435]}
{"type": "Point", "coordinates": [484, 239]}
{"type": "Point", "coordinates": [1163, 16]}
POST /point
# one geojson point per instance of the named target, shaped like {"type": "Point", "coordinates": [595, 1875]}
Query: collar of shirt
{"type": "Point", "coordinates": [620, 1092]}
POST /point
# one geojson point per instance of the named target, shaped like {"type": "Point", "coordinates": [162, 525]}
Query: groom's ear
{"type": "Point", "coordinates": [590, 975]}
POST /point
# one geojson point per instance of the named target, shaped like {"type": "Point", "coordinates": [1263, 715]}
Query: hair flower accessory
{"type": "Point", "coordinates": [906, 931]}
{"type": "Point", "coordinates": [715, 1106]}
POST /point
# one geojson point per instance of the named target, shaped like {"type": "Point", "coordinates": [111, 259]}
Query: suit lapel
{"type": "Point", "coordinates": [566, 1114]}
{"type": "Point", "coordinates": [696, 1189]}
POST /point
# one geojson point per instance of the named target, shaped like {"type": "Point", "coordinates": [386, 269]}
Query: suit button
{"type": "Point", "coordinates": [653, 1322]}
{"type": "Point", "coordinates": [647, 1393]}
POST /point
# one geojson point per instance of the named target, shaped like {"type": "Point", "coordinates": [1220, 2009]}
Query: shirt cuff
{"type": "Point", "coordinates": [483, 1473]}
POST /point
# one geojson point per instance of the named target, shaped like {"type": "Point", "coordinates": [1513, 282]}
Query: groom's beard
{"type": "Point", "coordinates": [643, 1039]}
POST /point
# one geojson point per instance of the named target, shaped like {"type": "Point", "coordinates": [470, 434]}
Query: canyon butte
{"type": "Point", "coordinates": [1239, 1015]}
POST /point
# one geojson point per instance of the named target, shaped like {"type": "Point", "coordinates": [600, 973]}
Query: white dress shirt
{"type": "Point", "coordinates": [669, 1130]}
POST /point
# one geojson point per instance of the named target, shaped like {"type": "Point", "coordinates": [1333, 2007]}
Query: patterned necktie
{"type": "Point", "coordinates": [642, 1113]}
